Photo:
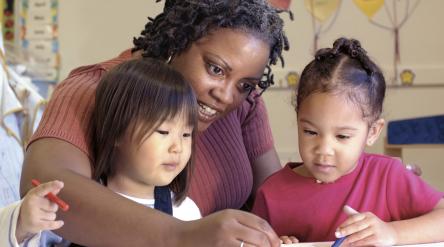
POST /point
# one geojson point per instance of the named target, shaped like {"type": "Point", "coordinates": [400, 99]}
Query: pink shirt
{"type": "Point", "coordinates": [298, 206]}
{"type": "Point", "coordinates": [223, 175]}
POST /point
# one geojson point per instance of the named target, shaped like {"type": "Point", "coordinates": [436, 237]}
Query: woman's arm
{"type": "Point", "coordinates": [99, 217]}
{"type": "Point", "coordinates": [258, 140]}
{"type": "Point", "coordinates": [265, 165]}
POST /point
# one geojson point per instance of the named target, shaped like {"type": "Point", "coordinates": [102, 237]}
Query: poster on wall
{"type": "Point", "coordinates": [322, 11]}
{"type": "Point", "coordinates": [413, 27]}
{"type": "Point", "coordinates": [397, 21]}
{"type": "Point", "coordinates": [39, 38]}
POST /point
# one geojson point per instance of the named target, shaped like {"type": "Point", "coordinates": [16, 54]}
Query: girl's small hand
{"type": "Point", "coordinates": [38, 213]}
{"type": "Point", "coordinates": [288, 239]}
{"type": "Point", "coordinates": [366, 229]}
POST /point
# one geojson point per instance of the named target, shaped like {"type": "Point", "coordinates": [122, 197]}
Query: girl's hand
{"type": "Point", "coordinates": [288, 239]}
{"type": "Point", "coordinates": [366, 229]}
{"type": "Point", "coordinates": [38, 213]}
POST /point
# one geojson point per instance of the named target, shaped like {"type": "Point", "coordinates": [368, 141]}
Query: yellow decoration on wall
{"type": "Point", "coordinates": [292, 79]}
{"type": "Point", "coordinates": [407, 77]}
{"type": "Point", "coordinates": [321, 9]}
{"type": "Point", "coordinates": [369, 7]}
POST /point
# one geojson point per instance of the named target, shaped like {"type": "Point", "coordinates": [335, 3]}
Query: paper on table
{"type": "Point", "coordinates": [423, 245]}
{"type": "Point", "coordinates": [316, 244]}
{"type": "Point", "coordinates": [328, 244]}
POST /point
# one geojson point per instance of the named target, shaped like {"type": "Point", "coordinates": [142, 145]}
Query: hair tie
{"type": "Point", "coordinates": [354, 53]}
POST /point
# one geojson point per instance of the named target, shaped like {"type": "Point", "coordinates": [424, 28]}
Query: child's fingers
{"type": "Point", "coordinates": [52, 225]}
{"type": "Point", "coordinates": [362, 238]}
{"type": "Point", "coordinates": [352, 219]}
{"type": "Point", "coordinates": [47, 216]}
{"type": "Point", "coordinates": [43, 203]}
{"type": "Point", "coordinates": [285, 239]}
{"type": "Point", "coordinates": [288, 239]}
{"type": "Point", "coordinates": [369, 241]}
{"type": "Point", "coordinates": [351, 226]}
{"type": "Point", "coordinates": [294, 239]}
{"type": "Point", "coordinates": [50, 207]}
{"type": "Point", "coordinates": [53, 187]}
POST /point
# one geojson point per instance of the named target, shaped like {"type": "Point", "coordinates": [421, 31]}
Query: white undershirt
{"type": "Point", "coordinates": [186, 211]}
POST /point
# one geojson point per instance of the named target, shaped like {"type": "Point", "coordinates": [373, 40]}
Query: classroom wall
{"type": "Point", "coordinates": [91, 31]}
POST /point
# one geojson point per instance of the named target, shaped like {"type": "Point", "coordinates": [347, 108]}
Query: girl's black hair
{"type": "Point", "coordinates": [184, 21]}
{"type": "Point", "coordinates": [134, 98]}
{"type": "Point", "coordinates": [345, 68]}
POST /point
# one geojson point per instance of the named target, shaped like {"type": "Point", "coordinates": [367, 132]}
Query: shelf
{"type": "Point", "coordinates": [395, 150]}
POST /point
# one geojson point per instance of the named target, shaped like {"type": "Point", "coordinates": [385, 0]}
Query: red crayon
{"type": "Point", "coordinates": [63, 205]}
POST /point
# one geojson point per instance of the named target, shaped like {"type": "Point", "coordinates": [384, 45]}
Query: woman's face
{"type": "Point", "coordinates": [222, 68]}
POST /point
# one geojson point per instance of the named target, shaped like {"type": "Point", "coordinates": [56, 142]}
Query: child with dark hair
{"type": "Point", "coordinates": [338, 106]}
{"type": "Point", "coordinates": [142, 132]}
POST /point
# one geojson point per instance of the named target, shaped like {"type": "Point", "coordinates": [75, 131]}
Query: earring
{"type": "Point", "coordinates": [168, 61]}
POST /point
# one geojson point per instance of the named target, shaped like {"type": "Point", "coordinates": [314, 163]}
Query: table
{"type": "Point", "coordinates": [396, 150]}
{"type": "Point", "coordinates": [328, 244]}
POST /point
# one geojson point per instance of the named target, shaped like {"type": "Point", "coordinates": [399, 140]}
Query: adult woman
{"type": "Point", "coordinates": [222, 48]}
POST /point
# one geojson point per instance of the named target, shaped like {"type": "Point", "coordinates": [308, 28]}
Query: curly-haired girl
{"type": "Point", "coordinates": [339, 103]}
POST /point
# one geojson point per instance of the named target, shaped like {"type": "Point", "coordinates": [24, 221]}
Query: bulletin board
{"type": "Point", "coordinates": [39, 38]}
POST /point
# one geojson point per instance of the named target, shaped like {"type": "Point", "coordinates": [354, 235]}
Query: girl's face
{"type": "Point", "coordinates": [156, 161]}
{"type": "Point", "coordinates": [222, 68]}
{"type": "Point", "coordinates": [332, 135]}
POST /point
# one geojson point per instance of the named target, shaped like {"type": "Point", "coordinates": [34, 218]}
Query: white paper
{"type": "Point", "coordinates": [39, 5]}
{"type": "Point", "coordinates": [39, 32]}
{"type": "Point", "coordinates": [328, 244]}
{"type": "Point", "coordinates": [40, 17]}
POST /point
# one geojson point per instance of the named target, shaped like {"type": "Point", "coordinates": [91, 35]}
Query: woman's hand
{"type": "Point", "coordinates": [229, 228]}
{"type": "Point", "coordinates": [37, 213]}
{"type": "Point", "coordinates": [366, 229]}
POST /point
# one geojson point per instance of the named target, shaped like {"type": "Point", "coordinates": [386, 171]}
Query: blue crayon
{"type": "Point", "coordinates": [338, 242]}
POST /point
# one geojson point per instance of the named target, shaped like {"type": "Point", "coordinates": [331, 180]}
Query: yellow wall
{"type": "Point", "coordinates": [91, 31]}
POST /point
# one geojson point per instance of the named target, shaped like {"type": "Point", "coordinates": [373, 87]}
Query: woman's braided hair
{"type": "Point", "coordinates": [345, 68]}
{"type": "Point", "coordinates": [184, 21]}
